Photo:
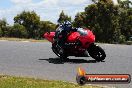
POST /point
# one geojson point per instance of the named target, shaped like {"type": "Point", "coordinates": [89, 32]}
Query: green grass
{"type": "Point", "coordinates": [19, 82]}
{"type": "Point", "coordinates": [22, 39]}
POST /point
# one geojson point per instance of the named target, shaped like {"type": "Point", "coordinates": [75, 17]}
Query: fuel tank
{"type": "Point", "coordinates": [73, 36]}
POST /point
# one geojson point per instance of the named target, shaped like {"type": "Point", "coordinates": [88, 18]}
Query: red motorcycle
{"type": "Point", "coordinates": [78, 44]}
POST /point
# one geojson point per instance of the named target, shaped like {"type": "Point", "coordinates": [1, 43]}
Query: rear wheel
{"type": "Point", "coordinates": [97, 52]}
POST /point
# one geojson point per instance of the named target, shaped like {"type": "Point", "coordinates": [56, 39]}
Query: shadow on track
{"type": "Point", "coordinates": [75, 61]}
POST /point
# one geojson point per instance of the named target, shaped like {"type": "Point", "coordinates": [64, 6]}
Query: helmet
{"type": "Point", "coordinates": [67, 25]}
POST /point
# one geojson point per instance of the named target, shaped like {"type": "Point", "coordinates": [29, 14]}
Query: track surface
{"type": "Point", "coordinates": [37, 60]}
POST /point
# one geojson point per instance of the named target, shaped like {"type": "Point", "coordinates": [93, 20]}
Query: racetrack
{"type": "Point", "coordinates": [37, 60]}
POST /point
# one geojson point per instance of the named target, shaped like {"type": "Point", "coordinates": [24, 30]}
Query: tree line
{"type": "Point", "coordinates": [26, 25]}
{"type": "Point", "coordinates": [110, 23]}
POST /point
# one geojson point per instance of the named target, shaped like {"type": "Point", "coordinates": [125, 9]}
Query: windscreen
{"type": "Point", "coordinates": [82, 31]}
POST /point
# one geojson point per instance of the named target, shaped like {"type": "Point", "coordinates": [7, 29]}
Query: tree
{"type": "Point", "coordinates": [1, 32]}
{"type": "Point", "coordinates": [92, 15]}
{"type": "Point", "coordinates": [18, 31]}
{"type": "Point", "coordinates": [79, 20]}
{"type": "Point", "coordinates": [103, 19]}
{"type": "Point", "coordinates": [63, 17]}
{"type": "Point", "coordinates": [46, 26]}
{"type": "Point", "coordinates": [106, 1]}
{"type": "Point", "coordinates": [125, 21]}
{"type": "Point", "coordinates": [30, 20]}
{"type": "Point", "coordinates": [3, 28]}
{"type": "Point", "coordinates": [124, 4]}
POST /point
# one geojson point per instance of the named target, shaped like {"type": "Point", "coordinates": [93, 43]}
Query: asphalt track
{"type": "Point", "coordinates": [30, 59]}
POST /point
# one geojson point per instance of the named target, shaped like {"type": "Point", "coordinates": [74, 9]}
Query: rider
{"type": "Point", "coordinates": [66, 28]}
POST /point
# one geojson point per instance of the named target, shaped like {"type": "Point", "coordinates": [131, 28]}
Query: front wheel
{"type": "Point", "coordinates": [97, 52]}
{"type": "Point", "coordinates": [57, 51]}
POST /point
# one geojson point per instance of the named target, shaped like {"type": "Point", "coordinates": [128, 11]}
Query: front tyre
{"type": "Point", "coordinates": [97, 52]}
{"type": "Point", "coordinates": [56, 50]}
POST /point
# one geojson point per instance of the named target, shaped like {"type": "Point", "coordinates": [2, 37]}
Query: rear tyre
{"type": "Point", "coordinates": [97, 53]}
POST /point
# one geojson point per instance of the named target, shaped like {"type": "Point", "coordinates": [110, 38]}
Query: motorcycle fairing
{"type": "Point", "coordinates": [87, 39]}
{"type": "Point", "coordinates": [49, 36]}
{"type": "Point", "coordinates": [73, 37]}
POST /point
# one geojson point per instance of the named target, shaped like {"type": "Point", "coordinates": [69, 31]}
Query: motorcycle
{"type": "Point", "coordinates": [78, 44]}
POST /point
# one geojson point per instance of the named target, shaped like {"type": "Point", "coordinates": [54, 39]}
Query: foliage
{"type": "Point", "coordinates": [110, 23]}
{"type": "Point", "coordinates": [124, 4]}
{"type": "Point", "coordinates": [122, 39]}
{"type": "Point", "coordinates": [18, 31]}
{"type": "Point", "coordinates": [1, 32]}
{"type": "Point", "coordinates": [126, 22]}
{"type": "Point", "coordinates": [30, 20]}
{"type": "Point", "coordinates": [102, 18]}
{"type": "Point", "coordinates": [63, 17]}
{"type": "Point", "coordinates": [79, 20]}
{"type": "Point", "coordinates": [46, 26]}
{"type": "Point", "coordinates": [32, 26]}
{"type": "Point", "coordinates": [3, 28]}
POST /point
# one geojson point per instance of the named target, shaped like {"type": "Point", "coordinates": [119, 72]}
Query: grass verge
{"type": "Point", "coordinates": [19, 82]}
{"type": "Point", "coordinates": [22, 39]}
{"type": "Point", "coordinates": [44, 40]}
